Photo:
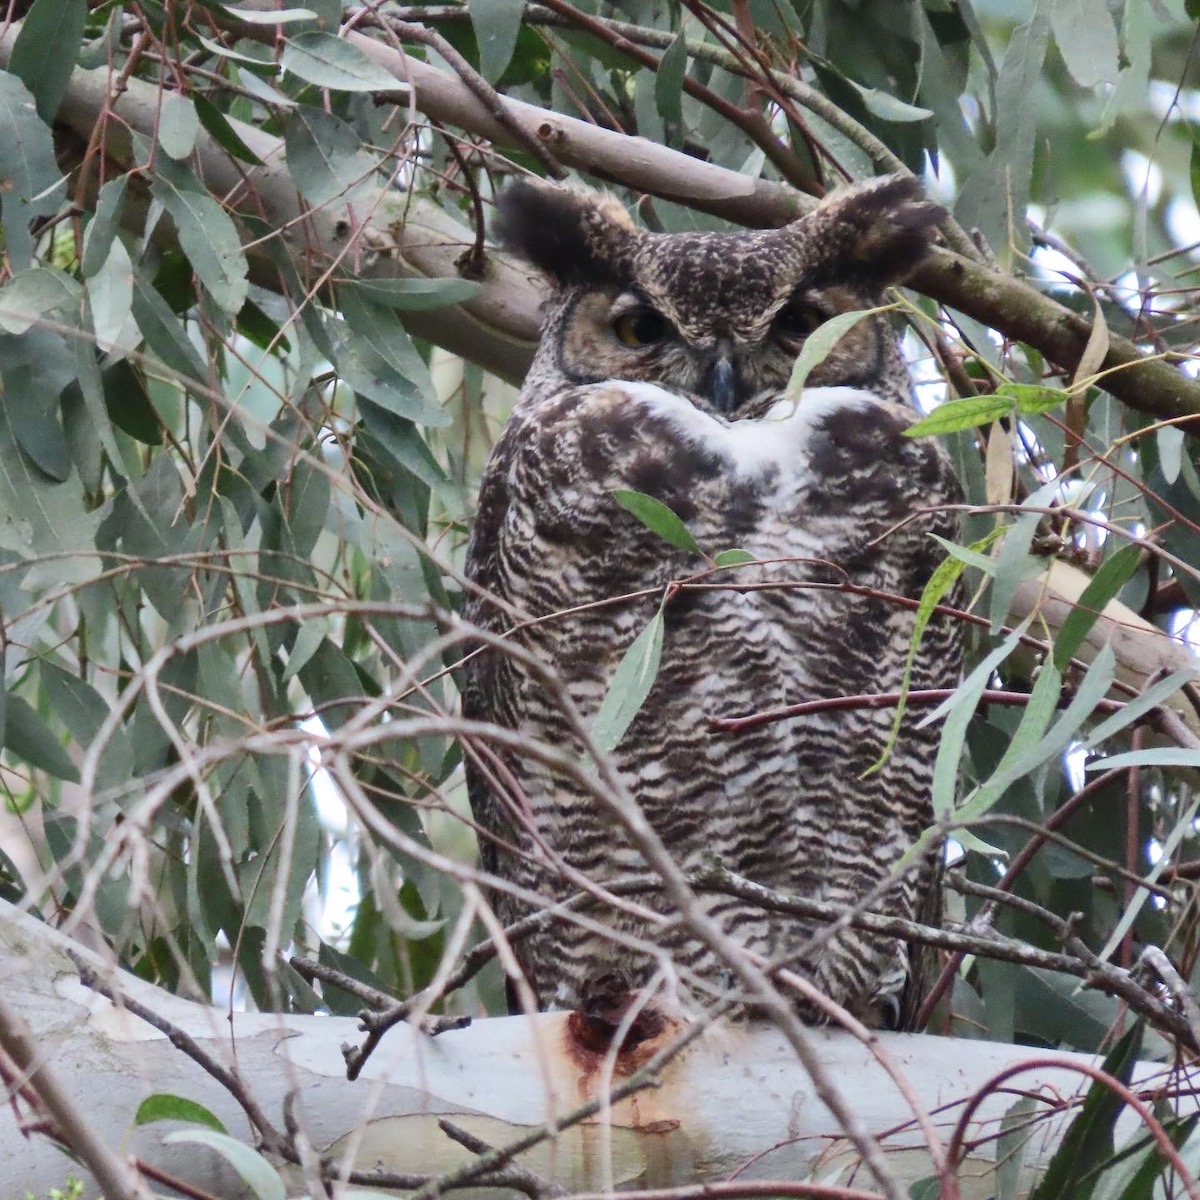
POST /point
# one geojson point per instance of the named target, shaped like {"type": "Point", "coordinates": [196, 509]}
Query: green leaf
{"type": "Point", "coordinates": [888, 107]}
{"type": "Point", "coordinates": [30, 180]}
{"type": "Point", "coordinates": [83, 710]}
{"type": "Point", "coordinates": [1032, 399]}
{"type": "Point", "coordinates": [163, 330]}
{"type": "Point", "coordinates": [1184, 827]}
{"type": "Point", "coordinates": [1031, 746]}
{"type": "Point", "coordinates": [35, 294]}
{"type": "Point", "coordinates": [668, 80]}
{"type": "Point", "coordinates": [945, 576]}
{"type": "Point", "coordinates": [46, 50]}
{"type": "Point", "coordinates": [378, 360]}
{"type": "Point", "coordinates": [178, 125]}
{"type": "Point", "coordinates": [1109, 579]}
{"type": "Point", "coordinates": [1089, 1139]}
{"type": "Point", "coordinates": [817, 346]}
{"type": "Point", "coordinates": [658, 518]}
{"type": "Point", "coordinates": [98, 237]}
{"type": "Point", "coordinates": [331, 62]}
{"type": "Point", "coordinates": [29, 737]}
{"type": "Point", "coordinates": [218, 127]}
{"type": "Point", "coordinates": [1166, 756]}
{"type": "Point", "coordinates": [1194, 161]}
{"type": "Point", "coordinates": [413, 295]}
{"type": "Point", "coordinates": [1170, 440]}
{"type": "Point", "coordinates": [733, 558]}
{"type": "Point", "coordinates": [163, 1106]}
{"type": "Point", "coordinates": [110, 298]}
{"type": "Point", "coordinates": [496, 24]}
{"type": "Point", "coordinates": [274, 16]}
{"type": "Point", "coordinates": [1087, 40]}
{"type": "Point", "coordinates": [256, 1172]}
{"type": "Point", "coordinates": [958, 710]}
{"type": "Point", "coordinates": [326, 158]}
{"type": "Point", "coordinates": [1017, 1130]}
{"type": "Point", "coordinates": [1013, 557]}
{"type": "Point", "coordinates": [1151, 698]}
{"type": "Point", "coordinates": [1139, 1163]}
{"type": "Point", "coordinates": [631, 684]}
{"type": "Point", "coordinates": [207, 235]}
{"type": "Point", "coordinates": [955, 415]}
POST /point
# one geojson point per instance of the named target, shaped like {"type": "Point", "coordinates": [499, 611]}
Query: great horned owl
{"type": "Point", "coordinates": [661, 367]}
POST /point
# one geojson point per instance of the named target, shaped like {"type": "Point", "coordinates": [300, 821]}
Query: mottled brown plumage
{"type": "Point", "coordinates": [661, 368]}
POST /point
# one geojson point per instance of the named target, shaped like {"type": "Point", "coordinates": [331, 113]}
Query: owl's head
{"type": "Point", "coordinates": [720, 316]}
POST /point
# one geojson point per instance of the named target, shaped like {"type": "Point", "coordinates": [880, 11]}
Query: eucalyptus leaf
{"type": "Point", "coordinates": [178, 125]}
{"type": "Point", "coordinates": [817, 347]}
{"type": "Point", "coordinates": [668, 80]}
{"type": "Point", "coordinates": [496, 24]}
{"type": "Point", "coordinates": [254, 1170]}
{"type": "Point", "coordinates": [658, 518]}
{"type": "Point", "coordinates": [332, 62]}
{"type": "Point", "coordinates": [30, 180]}
{"type": "Point", "coordinates": [631, 684]}
{"type": "Point", "coordinates": [46, 50]}
{"type": "Point", "coordinates": [163, 1106]}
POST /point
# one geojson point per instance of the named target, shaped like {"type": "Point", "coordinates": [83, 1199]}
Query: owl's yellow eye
{"type": "Point", "coordinates": [641, 327]}
{"type": "Point", "coordinates": [796, 319]}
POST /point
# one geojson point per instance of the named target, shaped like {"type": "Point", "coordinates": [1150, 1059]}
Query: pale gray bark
{"type": "Point", "coordinates": [737, 1096]}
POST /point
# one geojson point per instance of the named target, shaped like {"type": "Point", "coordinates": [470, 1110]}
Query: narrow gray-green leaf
{"type": "Point", "coordinates": [1166, 756]}
{"type": "Point", "coordinates": [668, 80]}
{"type": "Point", "coordinates": [210, 240]}
{"type": "Point", "coordinates": [658, 518]}
{"type": "Point", "coordinates": [734, 558]}
{"type": "Point", "coordinates": [164, 331]}
{"type": "Point", "coordinates": [416, 294]}
{"type": "Point", "coordinates": [1158, 693]}
{"type": "Point", "coordinates": [255, 1171]}
{"type": "Point", "coordinates": [1012, 559]}
{"type": "Point", "coordinates": [1170, 440]}
{"type": "Point", "coordinates": [29, 737]}
{"type": "Point", "coordinates": [817, 346]}
{"type": "Point", "coordinates": [1109, 579]}
{"type": "Point", "coordinates": [103, 226]}
{"type": "Point", "coordinates": [219, 128]}
{"type": "Point", "coordinates": [46, 50]}
{"type": "Point", "coordinates": [178, 125]}
{"type": "Point", "coordinates": [1087, 40]}
{"type": "Point", "coordinates": [958, 710]}
{"type": "Point", "coordinates": [28, 169]}
{"type": "Point", "coordinates": [888, 107]}
{"type": "Point", "coordinates": [380, 361]}
{"type": "Point", "coordinates": [496, 24]}
{"type": "Point", "coordinates": [955, 415]}
{"type": "Point", "coordinates": [326, 158]}
{"type": "Point", "coordinates": [1184, 827]}
{"type": "Point", "coordinates": [331, 62]}
{"type": "Point", "coordinates": [631, 684]}
{"type": "Point", "coordinates": [273, 16]}
{"type": "Point", "coordinates": [38, 294]}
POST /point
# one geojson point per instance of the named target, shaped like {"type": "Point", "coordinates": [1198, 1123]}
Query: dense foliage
{"type": "Point", "coordinates": [254, 350]}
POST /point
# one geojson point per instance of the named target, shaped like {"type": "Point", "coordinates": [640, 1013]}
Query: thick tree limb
{"type": "Point", "coordinates": [406, 235]}
{"type": "Point", "coordinates": [737, 1093]}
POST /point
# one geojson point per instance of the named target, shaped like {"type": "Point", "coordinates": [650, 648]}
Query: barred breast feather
{"type": "Point", "coordinates": [837, 507]}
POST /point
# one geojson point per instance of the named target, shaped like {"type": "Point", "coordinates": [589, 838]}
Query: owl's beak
{"type": "Point", "coordinates": [722, 387]}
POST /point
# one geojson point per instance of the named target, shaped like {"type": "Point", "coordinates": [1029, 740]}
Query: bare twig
{"type": "Point", "coordinates": [115, 1177]}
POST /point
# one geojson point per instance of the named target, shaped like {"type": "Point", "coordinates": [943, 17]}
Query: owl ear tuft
{"type": "Point", "coordinates": [882, 229]}
{"type": "Point", "coordinates": [574, 236]}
